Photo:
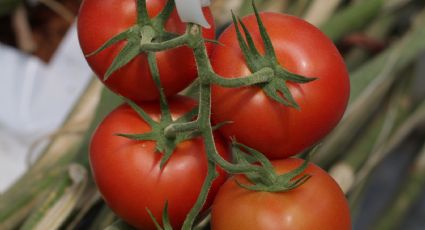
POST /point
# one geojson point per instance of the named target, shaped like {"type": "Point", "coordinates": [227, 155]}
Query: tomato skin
{"type": "Point", "coordinates": [100, 20]}
{"type": "Point", "coordinates": [276, 130]}
{"type": "Point", "coordinates": [317, 204]}
{"type": "Point", "coordinates": [128, 173]}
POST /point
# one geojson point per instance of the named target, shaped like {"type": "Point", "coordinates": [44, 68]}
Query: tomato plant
{"type": "Point", "coordinates": [128, 174]}
{"type": "Point", "coordinates": [100, 20]}
{"type": "Point", "coordinates": [260, 122]}
{"type": "Point", "coordinates": [317, 204]}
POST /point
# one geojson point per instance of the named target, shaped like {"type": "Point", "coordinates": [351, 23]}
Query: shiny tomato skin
{"type": "Point", "coordinates": [100, 20]}
{"type": "Point", "coordinates": [276, 130]}
{"type": "Point", "coordinates": [318, 204]}
{"type": "Point", "coordinates": [128, 174]}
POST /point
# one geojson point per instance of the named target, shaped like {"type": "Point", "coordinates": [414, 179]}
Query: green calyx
{"type": "Point", "coordinates": [277, 87]}
{"type": "Point", "coordinates": [147, 31]}
{"type": "Point", "coordinates": [264, 178]}
{"type": "Point", "coordinates": [164, 144]}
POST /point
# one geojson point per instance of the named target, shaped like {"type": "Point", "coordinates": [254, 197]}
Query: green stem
{"type": "Point", "coordinates": [206, 72]}
{"type": "Point", "coordinates": [173, 129]}
{"type": "Point", "coordinates": [194, 39]}
{"type": "Point", "coordinates": [179, 41]}
{"type": "Point", "coordinates": [165, 111]}
{"type": "Point", "coordinates": [202, 197]}
{"type": "Point", "coordinates": [204, 119]}
{"type": "Point", "coordinates": [204, 123]}
{"type": "Point", "coordinates": [261, 76]}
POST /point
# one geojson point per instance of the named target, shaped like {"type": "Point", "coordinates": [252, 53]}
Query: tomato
{"type": "Point", "coordinates": [317, 204]}
{"type": "Point", "coordinates": [258, 121]}
{"type": "Point", "coordinates": [100, 20]}
{"type": "Point", "coordinates": [128, 173]}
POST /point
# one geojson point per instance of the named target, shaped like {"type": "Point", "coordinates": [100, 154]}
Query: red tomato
{"type": "Point", "coordinates": [128, 174]}
{"type": "Point", "coordinates": [100, 20]}
{"type": "Point", "coordinates": [317, 204]}
{"type": "Point", "coordinates": [264, 124]}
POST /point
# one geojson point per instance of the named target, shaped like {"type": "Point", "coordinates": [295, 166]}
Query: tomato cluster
{"type": "Point", "coordinates": [130, 173]}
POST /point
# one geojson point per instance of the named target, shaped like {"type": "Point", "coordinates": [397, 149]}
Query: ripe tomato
{"type": "Point", "coordinates": [262, 123]}
{"type": "Point", "coordinates": [317, 204]}
{"type": "Point", "coordinates": [128, 174]}
{"type": "Point", "coordinates": [100, 20]}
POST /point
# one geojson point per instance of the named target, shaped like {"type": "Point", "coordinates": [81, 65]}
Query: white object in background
{"type": "Point", "coordinates": [35, 98]}
{"type": "Point", "coordinates": [320, 11]}
{"type": "Point", "coordinates": [191, 11]}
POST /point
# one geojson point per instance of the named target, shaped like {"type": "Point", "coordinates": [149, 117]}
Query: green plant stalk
{"type": "Point", "coordinates": [377, 131]}
{"type": "Point", "coordinates": [410, 192]}
{"type": "Point", "coordinates": [378, 30]}
{"type": "Point", "coordinates": [412, 123]}
{"type": "Point", "coordinates": [351, 18]}
{"type": "Point", "coordinates": [61, 201]}
{"type": "Point", "coordinates": [49, 181]}
{"type": "Point", "coordinates": [52, 197]}
{"type": "Point", "coordinates": [16, 205]}
{"type": "Point", "coordinates": [344, 170]}
{"type": "Point", "coordinates": [204, 121]}
{"type": "Point", "coordinates": [390, 115]}
{"type": "Point", "coordinates": [414, 120]}
{"type": "Point", "coordinates": [404, 51]}
{"type": "Point", "coordinates": [400, 106]}
{"type": "Point", "coordinates": [340, 139]}
{"type": "Point", "coordinates": [16, 202]}
{"type": "Point", "coordinates": [369, 85]}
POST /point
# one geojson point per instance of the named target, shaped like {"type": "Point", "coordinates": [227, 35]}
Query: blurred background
{"type": "Point", "coordinates": [49, 104]}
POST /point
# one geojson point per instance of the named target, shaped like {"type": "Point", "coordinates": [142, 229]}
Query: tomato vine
{"type": "Point", "coordinates": [149, 37]}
